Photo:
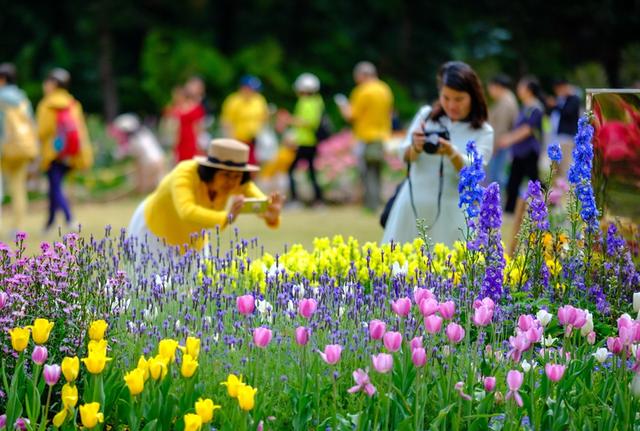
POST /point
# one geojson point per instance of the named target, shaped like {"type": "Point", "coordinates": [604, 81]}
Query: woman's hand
{"type": "Point", "coordinates": [418, 142]}
{"type": "Point", "coordinates": [236, 205]}
{"type": "Point", "coordinates": [445, 148]}
{"type": "Point", "coordinates": [271, 215]}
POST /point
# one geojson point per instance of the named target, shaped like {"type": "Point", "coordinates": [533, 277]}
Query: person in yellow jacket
{"type": "Point", "coordinates": [192, 198]}
{"type": "Point", "coordinates": [64, 140]}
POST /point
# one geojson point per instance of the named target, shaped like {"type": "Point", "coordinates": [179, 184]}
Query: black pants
{"type": "Point", "coordinates": [308, 154]}
{"type": "Point", "coordinates": [521, 167]}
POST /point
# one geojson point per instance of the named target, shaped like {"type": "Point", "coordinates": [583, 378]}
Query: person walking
{"type": "Point", "coordinates": [245, 113]}
{"type": "Point", "coordinates": [370, 110]}
{"type": "Point", "coordinates": [502, 116]}
{"type": "Point", "coordinates": [525, 140]}
{"type": "Point", "coordinates": [18, 140]}
{"type": "Point", "coordinates": [190, 119]}
{"type": "Point", "coordinates": [564, 111]}
{"type": "Point", "coordinates": [64, 140]}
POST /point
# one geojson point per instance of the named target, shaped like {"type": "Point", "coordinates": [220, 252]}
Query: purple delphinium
{"type": "Point", "coordinates": [580, 173]}
{"type": "Point", "coordinates": [490, 223]}
{"type": "Point", "coordinates": [469, 186]}
{"type": "Point", "coordinates": [554, 152]}
{"type": "Point", "coordinates": [537, 206]}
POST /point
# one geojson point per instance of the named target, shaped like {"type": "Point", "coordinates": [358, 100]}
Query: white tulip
{"type": "Point", "coordinates": [588, 326]}
{"type": "Point", "coordinates": [178, 325]}
{"type": "Point", "coordinates": [526, 366]}
{"type": "Point", "coordinates": [544, 317]}
{"type": "Point", "coordinates": [636, 302]}
{"type": "Point", "coordinates": [548, 342]}
{"type": "Point", "coordinates": [601, 354]}
{"type": "Point", "coordinates": [263, 306]}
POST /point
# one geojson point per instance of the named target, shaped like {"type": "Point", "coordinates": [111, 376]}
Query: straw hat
{"type": "Point", "coordinates": [227, 154]}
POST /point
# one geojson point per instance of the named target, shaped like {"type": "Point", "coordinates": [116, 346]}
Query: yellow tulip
{"type": "Point", "coordinates": [95, 362]}
{"type": "Point", "coordinates": [40, 330]}
{"type": "Point", "coordinates": [70, 368]}
{"type": "Point", "coordinates": [193, 347]}
{"type": "Point", "coordinates": [19, 338]}
{"type": "Point", "coordinates": [143, 365]}
{"type": "Point", "coordinates": [205, 409]}
{"type": "Point", "coordinates": [192, 422]}
{"type": "Point", "coordinates": [232, 384]}
{"type": "Point", "coordinates": [167, 348]}
{"type": "Point", "coordinates": [99, 347]}
{"type": "Point", "coordinates": [246, 397]}
{"type": "Point", "coordinates": [90, 415]}
{"type": "Point", "coordinates": [97, 330]}
{"type": "Point", "coordinates": [135, 381]}
{"type": "Point", "coordinates": [157, 367]}
{"type": "Point", "coordinates": [59, 419]}
{"type": "Point", "coordinates": [69, 396]}
{"type": "Point", "coordinates": [189, 366]}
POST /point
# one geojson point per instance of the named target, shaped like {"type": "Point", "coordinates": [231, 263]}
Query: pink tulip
{"type": "Point", "coordinates": [447, 309]}
{"type": "Point", "coordinates": [485, 302]}
{"type": "Point", "coordinates": [580, 319]}
{"type": "Point", "coordinates": [382, 362]}
{"type": "Point", "coordinates": [22, 424]}
{"type": "Point", "coordinates": [525, 322]}
{"type": "Point", "coordinates": [402, 307]}
{"type": "Point", "coordinates": [614, 345]}
{"type": "Point", "coordinates": [514, 381]}
{"type": "Point", "coordinates": [433, 324]}
{"type": "Point", "coordinates": [262, 337]}
{"type": "Point", "coordinates": [625, 322]}
{"type": "Point", "coordinates": [39, 355]}
{"type": "Point", "coordinates": [331, 354]}
{"type": "Point", "coordinates": [520, 343]}
{"type": "Point", "coordinates": [554, 371]}
{"type": "Point", "coordinates": [3, 421]}
{"type": "Point", "coordinates": [482, 316]}
{"type": "Point", "coordinates": [416, 342]}
{"type": "Point", "coordinates": [419, 357]}
{"type": "Point", "coordinates": [591, 338]}
{"type": "Point", "coordinates": [489, 383]}
{"type": "Point", "coordinates": [246, 304]}
{"type": "Point", "coordinates": [307, 307]}
{"type": "Point", "coordinates": [377, 328]}
{"type": "Point", "coordinates": [455, 333]}
{"type": "Point", "coordinates": [627, 334]}
{"type": "Point", "coordinates": [421, 294]}
{"type": "Point", "coordinates": [392, 341]}
{"type": "Point", "coordinates": [566, 315]}
{"type": "Point", "coordinates": [51, 374]}
{"type": "Point", "coordinates": [363, 383]}
{"type": "Point", "coordinates": [534, 334]}
{"type": "Point", "coordinates": [429, 306]}
{"type": "Point", "coordinates": [4, 298]}
{"type": "Point", "coordinates": [302, 335]}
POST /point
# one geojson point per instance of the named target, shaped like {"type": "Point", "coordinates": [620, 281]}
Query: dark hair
{"type": "Point", "coordinates": [206, 174]}
{"type": "Point", "coordinates": [502, 80]}
{"type": "Point", "coordinates": [8, 72]}
{"type": "Point", "coordinates": [460, 76]}
{"type": "Point", "coordinates": [60, 76]}
{"type": "Point", "coordinates": [533, 85]}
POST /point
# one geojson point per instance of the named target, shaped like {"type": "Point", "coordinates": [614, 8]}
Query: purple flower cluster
{"type": "Point", "coordinates": [580, 173]}
{"type": "Point", "coordinates": [554, 152]}
{"type": "Point", "coordinates": [490, 224]}
{"type": "Point", "coordinates": [537, 207]}
{"type": "Point", "coordinates": [469, 186]}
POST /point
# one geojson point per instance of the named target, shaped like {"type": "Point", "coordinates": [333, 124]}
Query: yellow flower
{"type": "Point", "coordinates": [167, 348]}
{"type": "Point", "coordinates": [19, 338]}
{"type": "Point", "coordinates": [95, 362]}
{"type": "Point", "coordinates": [192, 422]}
{"type": "Point", "coordinates": [98, 347]}
{"type": "Point", "coordinates": [143, 365]}
{"type": "Point", "coordinates": [189, 366]}
{"type": "Point", "coordinates": [135, 381]}
{"type": "Point", "coordinates": [232, 384]}
{"type": "Point", "coordinates": [70, 368]}
{"type": "Point", "coordinates": [246, 397]}
{"type": "Point", "coordinates": [193, 347]}
{"type": "Point", "coordinates": [69, 396]}
{"type": "Point", "coordinates": [554, 267]}
{"type": "Point", "coordinates": [205, 409]}
{"type": "Point", "coordinates": [59, 419]}
{"type": "Point", "coordinates": [90, 415]}
{"type": "Point", "coordinates": [97, 330]}
{"type": "Point", "coordinates": [157, 367]}
{"type": "Point", "coordinates": [40, 330]}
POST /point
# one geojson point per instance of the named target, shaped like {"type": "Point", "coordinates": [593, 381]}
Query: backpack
{"type": "Point", "coordinates": [67, 139]}
{"type": "Point", "coordinates": [20, 141]}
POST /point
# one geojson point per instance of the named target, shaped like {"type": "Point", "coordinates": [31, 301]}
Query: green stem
{"type": "Point", "coordinates": [43, 422]}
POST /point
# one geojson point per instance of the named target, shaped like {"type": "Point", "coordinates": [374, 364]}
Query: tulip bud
{"type": "Point", "coordinates": [416, 342]}
{"type": "Point", "coordinates": [51, 374]}
{"type": "Point", "coordinates": [544, 317]}
{"type": "Point", "coordinates": [39, 355]}
{"type": "Point", "coordinates": [489, 383]}
{"type": "Point", "coordinates": [262, 337]}
{"type": "Point", "coordinates": [307, 307]}
{"type": "Point", "coordinates": [591, 338]}
{"type": "Point", "coordinates": [245, 304]}
{"type": "Point", "coordinates": [4, 298]}
{"type": "Point", "coordinates": [419, 357]}
{"type": "Point", "coordinates": [382, 363]}
{"type": "Point", "coordinates": [601, 354]}
{"type": "Point", "coordinates": [377, 329]}
{"type": "Point", "coordinates": [636, 302]}
{"type": "Point", "coordinates": [392, 341]}
{"type": "Point", "coordinates": [302, 335]}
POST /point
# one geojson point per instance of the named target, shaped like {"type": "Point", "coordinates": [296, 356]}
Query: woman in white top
{"type": "Point", "coordinates": [461, 111]}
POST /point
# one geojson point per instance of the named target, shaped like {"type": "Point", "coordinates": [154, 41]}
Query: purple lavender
{"type": "Point", "coordinates": [490, 223]}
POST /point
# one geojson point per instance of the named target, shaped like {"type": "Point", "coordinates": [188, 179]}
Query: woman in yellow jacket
{"type": "Point", "coordinates": [193, 197]}
{"type": "Point", "coordinates": [64, 138]}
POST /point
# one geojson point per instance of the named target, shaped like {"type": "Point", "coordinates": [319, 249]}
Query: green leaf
{"type": "Point", "coordinates": [151, 426]}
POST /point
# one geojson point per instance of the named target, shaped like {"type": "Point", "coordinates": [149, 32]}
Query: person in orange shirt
{"type": "Point", "coordinates": [370, 111]}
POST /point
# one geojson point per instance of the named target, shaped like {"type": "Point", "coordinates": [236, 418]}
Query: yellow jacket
{"type": "Point", "coordinates": [46, 115]}
{"type": "Point", "coordinates": [180, 208]}
{"type": "Point", "coordinates": [245, 116]}
{"type": "Point", "coordinates": [371, 106]}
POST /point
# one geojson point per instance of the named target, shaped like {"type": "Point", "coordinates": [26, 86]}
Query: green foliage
{"type": "Point", "coordinates": [590, 75]}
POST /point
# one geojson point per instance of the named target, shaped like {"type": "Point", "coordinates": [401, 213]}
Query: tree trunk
{"type": "Point", "coordinates": [107, 78]}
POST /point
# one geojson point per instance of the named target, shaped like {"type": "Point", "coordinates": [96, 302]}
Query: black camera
{"type": "Point", "coordinates": [431, 137]}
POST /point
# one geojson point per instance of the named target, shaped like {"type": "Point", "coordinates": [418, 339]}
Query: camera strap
{"type": "Point", "coordinates": [440, 186]}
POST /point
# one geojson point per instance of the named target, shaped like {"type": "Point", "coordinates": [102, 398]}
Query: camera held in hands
{"type": "Point", "coordinates": [431, 138]}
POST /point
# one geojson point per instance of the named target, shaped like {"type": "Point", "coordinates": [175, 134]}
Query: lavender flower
{"type": "Point", "coordinates": [469, 186]}
{"type": "Point", "coordinates": [537, 206]}
{"type": "Point", "coordinates": [490, 222]}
